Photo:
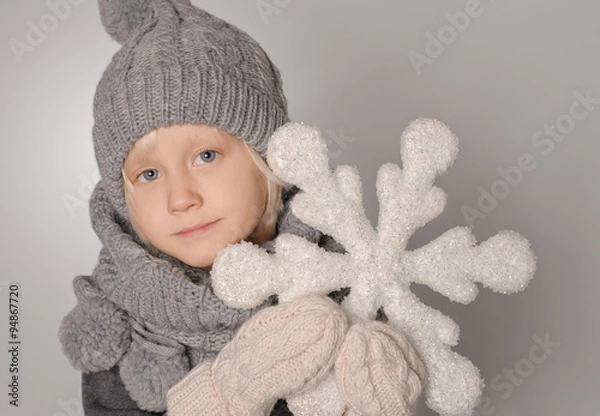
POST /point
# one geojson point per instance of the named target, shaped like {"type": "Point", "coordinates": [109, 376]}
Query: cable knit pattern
{"type": "Point", "coordinates": [179, 64]}
{"type": "Point", "coordinates": [177, 320]}
{"type": "Point", "coordinates": [155, 290]}
{"type": "Point", "coordinates": [196, 395]}
{"type": "Point", "coordinates": [379, 372]}
{"type": "Point", "coordinates": [177, 317]}
{"type": "Point", "coordinates": [282, 350]}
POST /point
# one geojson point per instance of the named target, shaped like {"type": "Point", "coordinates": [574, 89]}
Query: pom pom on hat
{"type": "Point", "coordinates": [121, 18]}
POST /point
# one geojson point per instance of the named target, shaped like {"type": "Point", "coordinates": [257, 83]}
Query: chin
{"type": "Point", "coordinates": [203, 263]}
{"type": "Point", "coordinates": [200, 265]}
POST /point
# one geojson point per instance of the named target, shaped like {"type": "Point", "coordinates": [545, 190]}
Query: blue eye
{"type": "Point", "coordinates": [206, 157]}
{"type": "Point", "coordinates": [149, 175]}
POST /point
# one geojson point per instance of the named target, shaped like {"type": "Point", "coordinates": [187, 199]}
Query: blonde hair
{"type": "Point", "coordinates": [264, 231]}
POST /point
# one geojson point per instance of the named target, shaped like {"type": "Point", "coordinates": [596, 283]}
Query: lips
{"type": "Point", "coordinates": [196, 229]}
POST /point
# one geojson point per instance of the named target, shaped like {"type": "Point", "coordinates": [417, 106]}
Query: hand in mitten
{"type": "Point", "coordinates": [282, 350]}
{"type": "Point", "coordinates": [378, 371]}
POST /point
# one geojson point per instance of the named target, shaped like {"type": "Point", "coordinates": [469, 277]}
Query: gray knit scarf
{"type": "Point", "coordinates": [154, 316]}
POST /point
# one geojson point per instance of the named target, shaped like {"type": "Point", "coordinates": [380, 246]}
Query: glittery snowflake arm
{"type": "Point", "coordinates": [407, 198]}
{"type": "Point", "coordinates": [452, 263]}
{"type": "Point", "coordinates": [330, 202]}
{"type": "Point", "coordinates": [377, 266]}
{"type": "Point", "coordinates": [244, 275]}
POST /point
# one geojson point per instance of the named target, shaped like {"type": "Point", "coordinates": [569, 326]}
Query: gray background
{"type": "Point", "coordinates": [514, 69]}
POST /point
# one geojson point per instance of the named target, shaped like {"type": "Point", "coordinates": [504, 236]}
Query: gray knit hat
{"type": "Point", "coordinates": [179, 64]}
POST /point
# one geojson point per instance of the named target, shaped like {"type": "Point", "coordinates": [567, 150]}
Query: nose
{"type": "Point", "coordinates": [184, 194]}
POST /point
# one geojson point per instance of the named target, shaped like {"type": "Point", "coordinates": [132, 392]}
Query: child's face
{"type": "Point", "coordinates": [196, 192]}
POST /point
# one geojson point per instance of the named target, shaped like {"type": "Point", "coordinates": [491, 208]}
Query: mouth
{"type": "Point", "coordinates": [196, 229]}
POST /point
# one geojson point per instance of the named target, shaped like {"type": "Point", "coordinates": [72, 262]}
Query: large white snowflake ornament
{"type": "Point", "coordinates": [376, 266]}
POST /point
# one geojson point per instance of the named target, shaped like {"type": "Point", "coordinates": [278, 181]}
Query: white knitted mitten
{"type": "Point", "coordinates": [282, 350]}
{"type": "Point", "coordinates": [378, 371]}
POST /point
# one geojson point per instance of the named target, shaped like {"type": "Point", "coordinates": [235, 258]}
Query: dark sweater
{"type": "Point", "coordinates": [104, 394]}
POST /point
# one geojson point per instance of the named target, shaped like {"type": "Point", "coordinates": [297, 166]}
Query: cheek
{"type": "Point", "coordinates": [247, 210]}
{"type": "Point", "coordinates": [245, 184]}
{"type": "Point", "coordinates": [148, 217]}
{"type": "Point", "coordinates": [255, 195]}
{"type": "Point", "coordinates": [248, 200]}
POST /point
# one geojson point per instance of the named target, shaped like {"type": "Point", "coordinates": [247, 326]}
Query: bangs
{"type": "Point", "coordinates": [143, 147]}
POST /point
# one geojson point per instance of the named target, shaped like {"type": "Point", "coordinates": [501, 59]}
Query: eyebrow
{"type": "Point", "coordinates": [133, 162]}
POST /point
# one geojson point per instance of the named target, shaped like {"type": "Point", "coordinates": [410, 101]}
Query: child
{"type": "Point", "coordinates": [182, 116]}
